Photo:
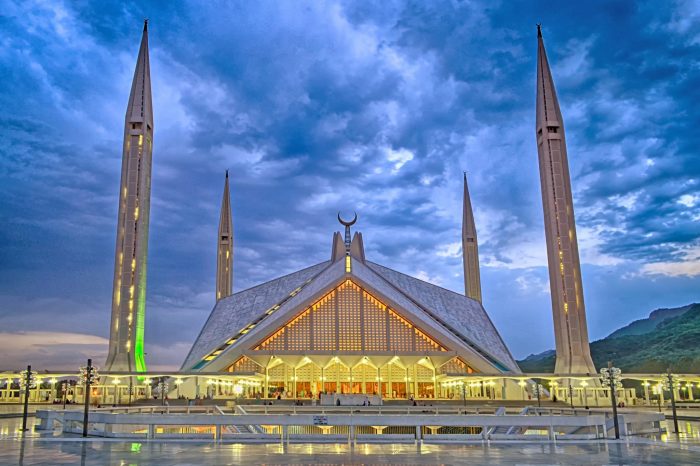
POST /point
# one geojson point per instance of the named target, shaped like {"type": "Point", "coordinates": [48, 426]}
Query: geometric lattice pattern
{"type": "Point", "coordinates": [349, 319]}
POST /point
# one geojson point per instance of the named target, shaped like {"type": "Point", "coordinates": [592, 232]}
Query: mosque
{"type": "Point", "coordinates": [347, 325]}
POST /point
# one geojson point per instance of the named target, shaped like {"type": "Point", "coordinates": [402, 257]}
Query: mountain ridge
{"type": "Point", "coordinates": [669, 337]}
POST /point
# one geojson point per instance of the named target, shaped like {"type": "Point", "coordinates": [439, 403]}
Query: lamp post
{"type": "Point", "coordinates": [464, 394]}
{"type": "Point", "coordinates": [610, 377]}
{"type": "Point", "coordinates": [64, 392]}
{"type": "Point", "coordinates": [571, 395]}
{"type": "Point", "coordinates": [88, 376]}
{"type": "Point", "coordinates": [670, 385]}
{"type": "Point", "coordinates": [117, 394]}
{"type": "Point", "coordinates": [27, 381]}
{"type": "Point", "coordinates": [162, 390]}
{"type": "Point", "coordinates": [537, 390]}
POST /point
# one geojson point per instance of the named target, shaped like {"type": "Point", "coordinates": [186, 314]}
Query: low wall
{"type": "Point", "coordinates": [315, 427]}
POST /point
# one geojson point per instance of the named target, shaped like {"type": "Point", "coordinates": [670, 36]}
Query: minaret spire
{"type": "Point", "coordinates": [470, 248]}
{"type": "Point", "coordinates": [126, 342]}
{"type": "Point", "coordinates": [570, 329]}
{"type": "Point", "coordinates": [224, 255]}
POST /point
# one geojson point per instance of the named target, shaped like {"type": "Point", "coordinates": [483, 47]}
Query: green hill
{"type": "Point", "coordinates": [668, 338]}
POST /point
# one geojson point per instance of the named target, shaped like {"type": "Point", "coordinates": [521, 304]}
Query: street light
{"type": "Point", "coordinates": [117, 395]}
{"type": "Point", "coordinates": [64, 392]}
{"type": "Point", "coordinates": [671, 384]}
{"type": "Point", "coordinates": [131, 389]}
{"type": "Point", "coordinates": [610, 377]}
{"type": "Point", "coordinates": [571, 394]}
{"type": "Point", "coordinates": [27, 382]}
{"type": "Point", "coordinates": [162, 389]}
{"type": "Point", "coordinates": [464, 394]}
{"type": "Point", "coordinates": [88, 376]}
{"type": "Point", "coordinates": [538, 391]}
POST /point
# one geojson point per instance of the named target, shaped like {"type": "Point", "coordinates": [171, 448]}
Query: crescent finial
{"type": "Point", "coordinates": [350, 223]}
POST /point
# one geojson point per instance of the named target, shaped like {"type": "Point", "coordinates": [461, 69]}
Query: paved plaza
{"type": "Point", "coordinates": [36, 449]}
{"type": "Point", "coordinates": [100, 452]}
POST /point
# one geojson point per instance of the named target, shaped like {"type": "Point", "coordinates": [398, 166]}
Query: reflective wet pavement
{"type": "Point", "coordinates": [50, 451]}
{"type": "Point", "coordinates": [37, 449]}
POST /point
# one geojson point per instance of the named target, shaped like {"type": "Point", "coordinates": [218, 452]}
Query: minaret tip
{"type": "Point", "coordinates": [145, 25]}
{"type": "Point", "coordinates": [539, 30]}
{"type": "Point", "coordinates": [227, 173]}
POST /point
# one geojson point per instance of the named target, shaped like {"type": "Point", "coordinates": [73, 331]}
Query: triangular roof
{"type": "Point", "coordinates": [235, 312]}
{"type": "Point", "coordinates": [250, 315]}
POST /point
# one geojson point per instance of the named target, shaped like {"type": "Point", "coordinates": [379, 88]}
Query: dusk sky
{"type": "Point", "coordinates": [320, 107]}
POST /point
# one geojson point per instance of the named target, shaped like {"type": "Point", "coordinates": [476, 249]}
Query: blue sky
{"type": "Point", "coordinates": [317, 107]}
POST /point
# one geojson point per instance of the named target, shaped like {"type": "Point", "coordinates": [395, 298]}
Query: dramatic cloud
{"type": "Point", "coordinates": [316, 107]}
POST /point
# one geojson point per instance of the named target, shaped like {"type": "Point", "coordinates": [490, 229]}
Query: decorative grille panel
{"type": "Point", "coordinates": [375, 323]}
{"type": "Point", "coordinates": [349, 319]}
{"type": "Point", "coordinates": [350, 323]}
{"type": "Point", "coordinates": [244, 364]}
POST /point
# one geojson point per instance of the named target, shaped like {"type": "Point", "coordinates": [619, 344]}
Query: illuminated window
{"type": "Point", "coordinates": [348, 264]}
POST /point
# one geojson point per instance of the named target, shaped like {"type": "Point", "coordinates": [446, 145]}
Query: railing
{"type": "Point", "coordinates": [160, 409]}
{"type": "Point", "coordinates": [383, 409]}
{"type": "Point", "coordinates": [351, 425]}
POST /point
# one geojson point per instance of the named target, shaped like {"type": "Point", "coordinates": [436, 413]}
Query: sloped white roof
{"type": "Point", "coordinates": [462, 317]}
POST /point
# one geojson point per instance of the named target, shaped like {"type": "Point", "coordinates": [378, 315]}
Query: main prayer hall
{"type": "Point", "coordinates": [347, 325]}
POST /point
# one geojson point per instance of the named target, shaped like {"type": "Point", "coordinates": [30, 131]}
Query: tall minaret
{"type": "Point", "coordinates": [129, 296]}
{"type": "Point", "coordinates": [224, 255]}
{"type": "Point", "coordinates": [470, 248]}
{"type": "Point", "coordinates": [570, 330]}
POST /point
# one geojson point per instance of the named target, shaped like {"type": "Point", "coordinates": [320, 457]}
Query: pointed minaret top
{"type": "Point", "coordinates": [140, 107]}
{"type": "Point", "coordinates": [468, 227]}
{"type": "Point", "coordinates": [548, 116]}
{"type": "Point", "coordinates": [470, 248]}
{"type": "Point", "coordinates": [225, 216]}
{"type": "Point", "coordinates": [224, 264]}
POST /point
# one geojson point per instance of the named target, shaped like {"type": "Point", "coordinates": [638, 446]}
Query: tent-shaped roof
{"type": "Point", "coordinates": [274, 302]}
{"type": "Point", "coordinates": [234, 312]}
